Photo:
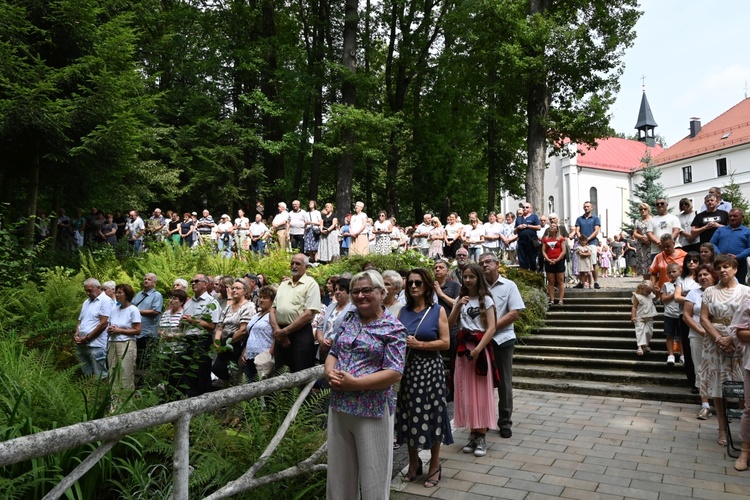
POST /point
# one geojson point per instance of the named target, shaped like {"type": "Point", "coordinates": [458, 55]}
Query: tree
{"type": "Point", "coordinates": [568, 67]}
{"type": "Point", "coordinates": [732, 193]}
{"type": "Point", "coordinates": [648, 191]}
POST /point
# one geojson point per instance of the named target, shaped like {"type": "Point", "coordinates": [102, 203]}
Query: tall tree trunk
{"type": "Point", "coordinates": [320, 19]}
{"type": "Point", "coordinates": [32, 193]}
{"type": "Point", "coordinates": [349, 98]}
{"type": "Point", "coordinates": [537, 111]}
{"type": "Point", "coordinates": [492, 163]}
{"type": "Point", "coordinates": [273, 163]}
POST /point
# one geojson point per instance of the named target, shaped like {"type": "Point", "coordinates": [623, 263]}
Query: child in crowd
{"type": "Point", "coordinates": [585, 266]}
{"type": "Point", "coordinates": [605, 260]}
{"type": "Point", "coordinates": [642, 315]}
{"type": "Point", "coordinates": [671, 312]}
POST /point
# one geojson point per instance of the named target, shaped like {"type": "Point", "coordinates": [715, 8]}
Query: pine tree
{"type": "Point", "coordinates": [732, 193]}
{"type": "Point", "coordinates": [647, 191]}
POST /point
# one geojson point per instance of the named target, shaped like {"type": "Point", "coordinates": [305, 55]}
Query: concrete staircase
{"type": "Point", "coordinates": [588, 347]}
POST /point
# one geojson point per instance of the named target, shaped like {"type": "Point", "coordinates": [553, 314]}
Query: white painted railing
{"type": "Point", "coordinates": [110, 430]}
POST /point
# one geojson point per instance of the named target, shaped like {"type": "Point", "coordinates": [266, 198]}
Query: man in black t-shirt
{"type": "Point", "coordinates": [706, 223]}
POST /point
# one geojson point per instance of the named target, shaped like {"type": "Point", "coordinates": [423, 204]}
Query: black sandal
{"type": "Point", "coordinates": [409, 477]}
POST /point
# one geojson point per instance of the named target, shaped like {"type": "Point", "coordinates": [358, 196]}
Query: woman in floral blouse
{"type": "Point", "coordinates": [366, 359]}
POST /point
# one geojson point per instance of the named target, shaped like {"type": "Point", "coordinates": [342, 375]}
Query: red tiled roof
{"type": "Point", "coordinates": [615, 154]}
{"type": "Point", "coordinates": [735, 122]}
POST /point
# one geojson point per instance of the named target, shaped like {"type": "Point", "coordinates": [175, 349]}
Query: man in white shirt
{"type": "Point", "coordinates": [90, 339]}
{"type": "Point", "coordinates": [134, 230]}
{"type": "Point", "coordinates": [662, 223]}
{"type": "Point", "coordinates": [280, 226]}
{"type": "Point", "coordinates": [258, 235]}
{"type": "Point", "coordinates": [224, 232]}
{"type": "Point", "coordinates": [241, 228]}
{"type": "Point", "coordinates": [297, 219]}
{"type": "Point", "coordinates": [422, 233]}
{"type": "Point", "coordinates": [508, 305]}
{"type": "Point", "coordinates": [721, 204]}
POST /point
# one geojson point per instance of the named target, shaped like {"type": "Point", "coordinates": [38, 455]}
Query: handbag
{"type": "Point", "coordinates": [316, 228]}
{"type": "Point", "coordinates": [264, 364]}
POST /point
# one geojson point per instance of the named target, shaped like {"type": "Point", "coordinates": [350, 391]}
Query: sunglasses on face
{"type": "Point", "coordinates": [416, 283]}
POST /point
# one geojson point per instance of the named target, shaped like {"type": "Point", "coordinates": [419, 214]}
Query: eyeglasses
{"type": "Point", "coordinates": [527, 206]}
{"type": "Point", "coordinates": [197, 281]}
{"type": "Point", "coordinates": [416, 283]}
{"type": "Point", "coordinates": [364, 291]}
{"type": "Point", "coordinates": [660, 204]}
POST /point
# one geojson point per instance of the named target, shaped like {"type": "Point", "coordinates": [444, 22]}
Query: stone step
{"type": "Point", "coordinates": [625, 343]}
{"type": "Point", "coordinates": [674, 378]}
{"type": "Point", "coordinates": [587, 330]}
{"type": "Point", "coordinates": [587, 316]}
{"type": "Point", "coordinates": [604, 324]}
{"type": "Point", "coordinates": [653, 362]}
{"type": "Point", "coordinates": [620, 390]}
{"type": "Point", "coordinates": [617, 348]}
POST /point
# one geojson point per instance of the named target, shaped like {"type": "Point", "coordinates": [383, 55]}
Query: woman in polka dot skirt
{"type": "Point", "coordinates": [422, 420]}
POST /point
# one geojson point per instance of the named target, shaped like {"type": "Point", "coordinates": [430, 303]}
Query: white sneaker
{"type": "Point", "coordinates": [670, 360]}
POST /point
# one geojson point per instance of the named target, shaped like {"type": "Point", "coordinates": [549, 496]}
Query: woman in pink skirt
{"type": "Point", "coordinates": [475, 371]}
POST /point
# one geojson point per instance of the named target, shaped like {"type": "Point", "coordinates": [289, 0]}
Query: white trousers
{"type": "Point", "coordinates": [360, 454]}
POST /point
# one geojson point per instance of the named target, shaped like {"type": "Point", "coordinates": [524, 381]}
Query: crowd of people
{"type": "Point", "coordinates": [370, 331]}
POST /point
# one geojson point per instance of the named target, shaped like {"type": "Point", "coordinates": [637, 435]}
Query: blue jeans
{"type": "Point", "coordinates": [93, 360]}
{"type": "Point", "coordinates": [225, 246]}
{"type": "Point", "coordinates": [259, 247]}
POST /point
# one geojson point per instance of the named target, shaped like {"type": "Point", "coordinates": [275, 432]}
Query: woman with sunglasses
{"type": "Point", "coordinates": [683, 286]}
{"type": "Point", "coordinates": [476, 373]}
{"type": "Point", "coordinates": [643, 244]}
{"type": "Point", "coordinates": [422, 420]}
{"type": "Point", "coordinates": [361, 368]}
{"type": "Point", "coordinates": [722, 360]}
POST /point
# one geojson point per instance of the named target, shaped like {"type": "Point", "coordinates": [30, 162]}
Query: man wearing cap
{"type": "Point", "coordinates": [224, 232]}
{"type": "Point", "coordinates": [296, 304]}
{"type": "Point", "coordinates": [280, 226]}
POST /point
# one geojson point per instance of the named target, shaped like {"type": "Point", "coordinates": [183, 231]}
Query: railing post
{"type": "Point", "coordinates": [181, 458]}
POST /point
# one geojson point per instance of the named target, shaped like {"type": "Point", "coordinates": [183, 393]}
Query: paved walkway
{"type": "Point", "coordinates": [587, 447]}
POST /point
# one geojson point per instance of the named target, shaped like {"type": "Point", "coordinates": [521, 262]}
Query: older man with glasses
{"type": "Point", "coordinates": [296, 304]}
{"type": "Point", "coordinates": [661, 223]}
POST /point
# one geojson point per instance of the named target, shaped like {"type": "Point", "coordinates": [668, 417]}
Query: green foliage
{"type": "Point", "coordinates": [732, 193]}
{"type": "Point", "coordinates": [647, 191]}
{"type": "Point", "coordinates": [16, 258]}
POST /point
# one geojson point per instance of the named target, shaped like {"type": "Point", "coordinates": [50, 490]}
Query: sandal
{"type": "Point", "coordinates": [639, 352]}
{"type": "Point", "coordinates": [431, 481]}
{"type": "Point", "coordinates": [722, 441]}
{"type": "Point", "coordinates": [646, 349]}
{"type": "Point", "coordinates": [549, 303]}
{"type": "Point", "coordinates": [409, 477]}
